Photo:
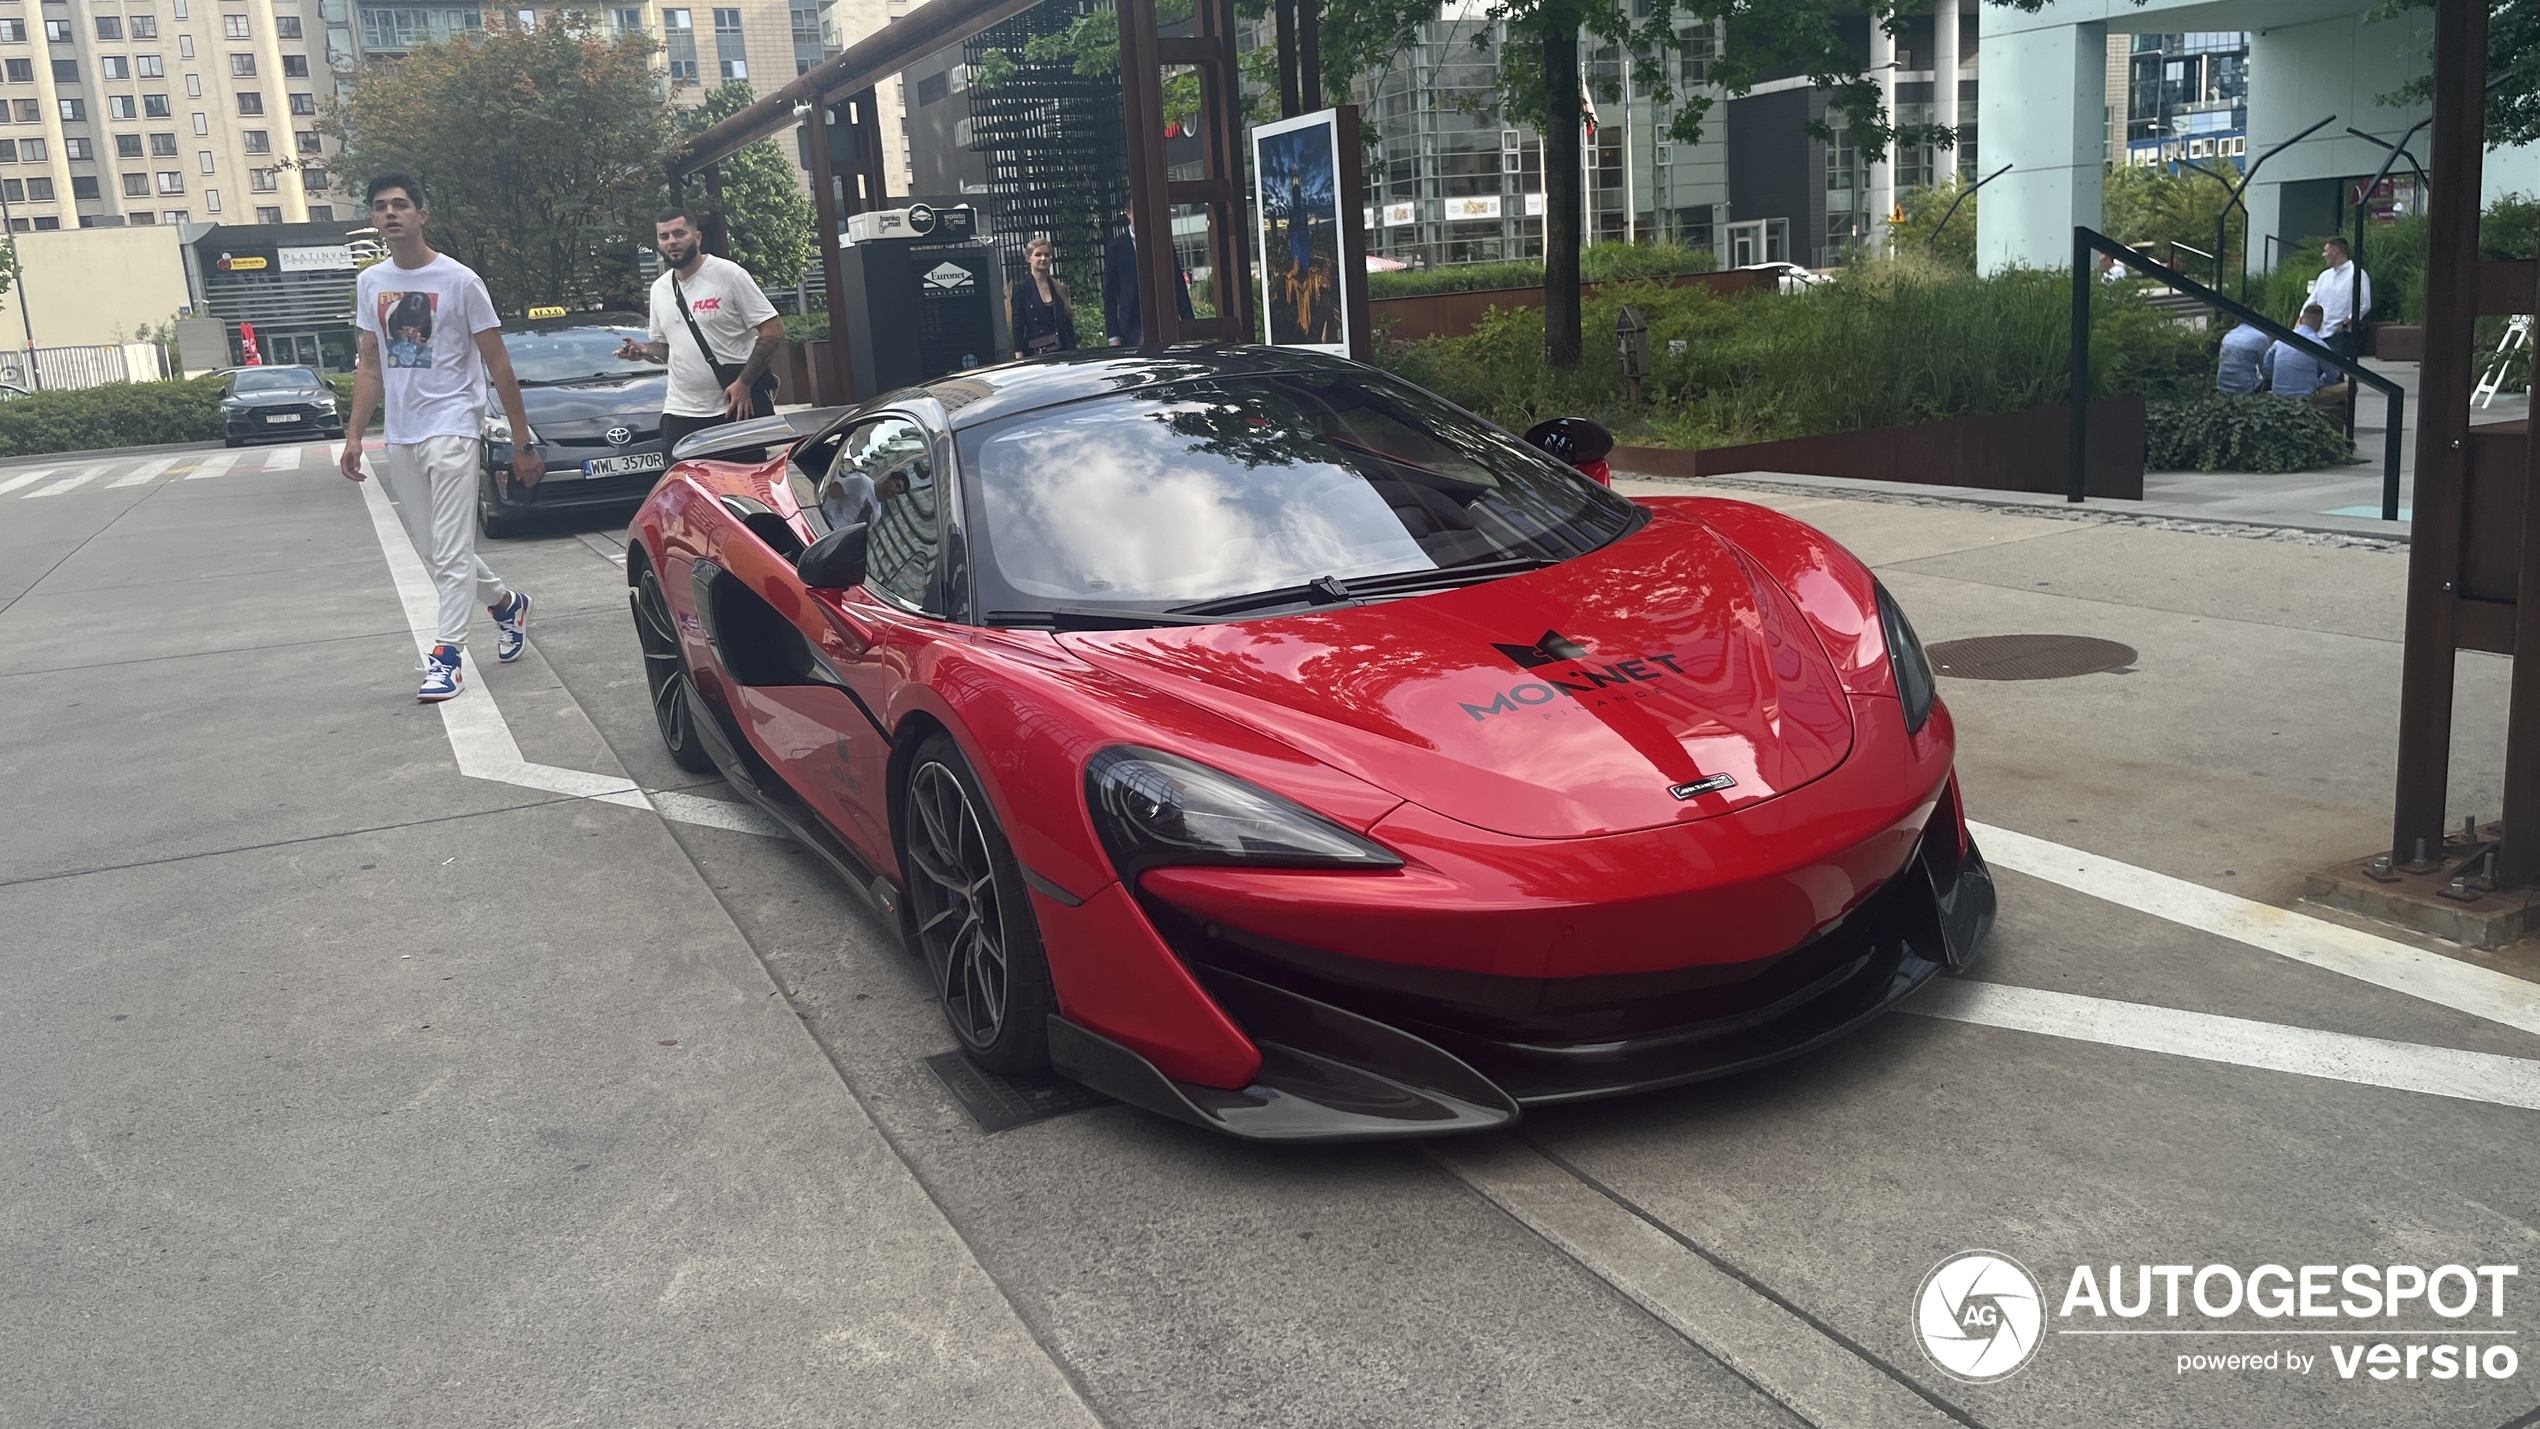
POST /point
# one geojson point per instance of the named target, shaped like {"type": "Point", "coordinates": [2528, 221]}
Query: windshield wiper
{"type": "Point", "coordinates": [1084, 617]}
{"type": "Point", "coordinates": [1331, 590]}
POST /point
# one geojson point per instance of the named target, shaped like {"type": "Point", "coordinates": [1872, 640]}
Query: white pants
{"type": "Point", "coordinates": [433, 482]}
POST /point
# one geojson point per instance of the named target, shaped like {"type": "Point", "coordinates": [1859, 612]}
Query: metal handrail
{"type": "Point", "coordinates": [2087, 241]}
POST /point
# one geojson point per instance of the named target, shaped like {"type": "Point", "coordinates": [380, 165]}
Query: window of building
{"type": "Point", "coordinates": [127, 146]}
{"type": "Point", "coordinates": [57, 32]}
{"type": "Point", "coordinates": [8, 151]}
{"type": "Point", "coordinates": [528, 18]}
{"type": "Point", "coordinates": [307, 140]}
{"type": "Point", "coordinates": [121, 106]}
{"type": "Point", "coordinates": [142, 219]}
{"type": "Point", "coordinates": [179, 7]}
{"type": "Point", "coordinates": [78, 148]}
{"type": "Point", "coordinates": [313, 181]}
{"type": "Point", "coordinates": [26, 111]}
{"type": "Point", "coordinates": [136, 185]}
{"type": "Point", "coordinates": [114, 67]}
{"type": "Point", "coordinates": [145, 27]}
{"type": "Point", "coordinates": [193, 86]}
{"type": "Point", "coordinates": [304, 104]}
{"type": "Point", "coordinates": [734, 69]}
{"type": "Point", "coordinates": [679, 43]}
{"type": "Point", "coordinates": [110, 27]}
{"type": "Point", "coordinates": [13, 189]}
{"type": "Point", "coordinates": [149, 67]}
{"type": "Point", "coordinates": [287, 26]}
{"type": "Point", "coordinates": [250, 102]}
{"type": "Point", "coordinates": [234, 27]}
{"type": "Point", "coordinates": [627, 22]}
{"type": "Point", "coordinates": [31, 150]}
{"type": "Point", "coordinates": [727, 22]}
{"type": "Point", "coordinates": [171, 181]}
{"type": "Point", "coordinates": [66, 71]}
{"type": "Point", "coordinates": [21, 71]}
{"type": "Point", "coordinates": [261, 181]}
{"type": "Point", "coordinates": [13, 31]}
{"type": "Point", "coordinates": [203, 160]}
{"type": "Point", "coordinates": [211, 200]}
{"type": "Point", "coordinates": [185, 47]}
{"type": "Point", "coordinates": [48, 224]}
{"type": "Point", "coordinates": [20, 225]}
{"type": "Point", "coordinates": [39, 191]}
{"type": "Point", "coordinates": [155, 106]}
{"type": "Point", "coordinates": [268, 215]}
{"type": "Point", "coordinates": [202, 125]}
{"type": "Point", "coordinates": [295, 66]}
{"type": "Point", "coordinates": [176, 215]}
{"type": "Point", "coordinates": [161, 146]}
{"type": "Point", "coordinates": [83, 186]}
{"type": "Point", "coordinates": [321, 213]}
{"type": "Point", "coordinates": [256, 141]}
{"type": "Point", "coordinates": [74, 111]}
{"type": "Point", "coordinates": [242, 66]}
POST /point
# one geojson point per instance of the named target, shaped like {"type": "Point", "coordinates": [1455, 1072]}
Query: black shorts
{"type": "Point", "coordinates": [673, 428]}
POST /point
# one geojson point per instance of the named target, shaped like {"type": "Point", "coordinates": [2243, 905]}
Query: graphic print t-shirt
{"type": "Point", "coordinates": [426, 320]}
{"type": "Point", "coordinates": [728, 308]}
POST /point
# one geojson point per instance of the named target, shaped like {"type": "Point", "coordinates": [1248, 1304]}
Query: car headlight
{"type": "Point", "coordinates": [1915, 686]}
{"type": "Point", "coordinates": [498, 429]}
{"type": "Point", "coordinates": [1153, 808]}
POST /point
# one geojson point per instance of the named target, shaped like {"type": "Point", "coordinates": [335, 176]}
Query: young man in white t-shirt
{"type": "Point", "coordinates": [430, 341]}
{"type": "Point", "coordinates": [725, 306]}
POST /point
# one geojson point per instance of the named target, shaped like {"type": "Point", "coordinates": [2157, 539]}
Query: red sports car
{"type": "Point", "coordinates": [1269, 743]}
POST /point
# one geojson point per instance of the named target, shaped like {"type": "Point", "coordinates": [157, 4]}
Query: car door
{"type": "Point", "coordinates": [829, 734]}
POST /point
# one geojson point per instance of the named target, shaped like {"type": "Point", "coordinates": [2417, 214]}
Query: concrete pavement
{"type": "Point", "coordinates": [245, 1182]}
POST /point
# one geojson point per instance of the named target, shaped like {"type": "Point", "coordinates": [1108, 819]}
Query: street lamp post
{"type": "Point", "coordinates": [34, 378]}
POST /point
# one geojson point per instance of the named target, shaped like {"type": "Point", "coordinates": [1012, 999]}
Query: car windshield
{"type": "Point", "coordinates": [277, 379]}
{"type": "Point", "coordinates": [574, 354]}
{"type": "Point", "coordinates": [1261, 492]}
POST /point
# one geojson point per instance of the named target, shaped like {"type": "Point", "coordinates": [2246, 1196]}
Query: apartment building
{"type": "Point", "coordinates": [125, 112]}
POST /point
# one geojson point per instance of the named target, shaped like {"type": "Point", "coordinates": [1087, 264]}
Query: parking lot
{"type": "Point", "coordinates": [376, 1063]}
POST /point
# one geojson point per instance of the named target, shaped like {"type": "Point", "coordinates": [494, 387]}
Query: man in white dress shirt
{"type": "Point", "coordinates": [2344, 294]}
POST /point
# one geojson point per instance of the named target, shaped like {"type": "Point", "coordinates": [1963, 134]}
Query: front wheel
{"type": "Point", "coordinates": [666, 675]}
{"type": "Point", "coordinates": [495, 526]}
{"type": "Point", "coordinates": [974, 915]}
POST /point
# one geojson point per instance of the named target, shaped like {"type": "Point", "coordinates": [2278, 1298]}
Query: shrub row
{"type": "Point", "coordinates": [1598, 263]}
{"type": "Point", "coordinates": [2258, 432]}
{"type": "Point", "coordinates": [119, 414]}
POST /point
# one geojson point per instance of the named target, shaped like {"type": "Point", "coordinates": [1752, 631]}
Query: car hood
{"type": "Point", "coordinates": [295, 397]}
{"type": "Point", "coordinates": [596, 401]}
{"type": "Point", "coordinates": [1562, 703]}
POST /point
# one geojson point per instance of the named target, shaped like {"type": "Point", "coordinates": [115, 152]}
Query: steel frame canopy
{"type": "Point", "coordinates": [849, 79]}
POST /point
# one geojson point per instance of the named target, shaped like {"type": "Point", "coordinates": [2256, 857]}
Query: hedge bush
{"type": "Point", "coordinates": [119, 414]}
{"type": "Point", "coordinates": [1598, 263]}
{"type": "Point", "coordinates": [2259, 432]}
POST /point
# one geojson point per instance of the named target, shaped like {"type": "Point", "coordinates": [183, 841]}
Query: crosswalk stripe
{"type": "Point", "coordinates": [218, 465]}
{"type": "Point", "coordinates": [283, 459]}
{"type": "Point", "coordinates": [81, 478]}
{"type": "Point", "coordinates": [150, 470]}
{"type": "Point", "coordinates": [25, 478]}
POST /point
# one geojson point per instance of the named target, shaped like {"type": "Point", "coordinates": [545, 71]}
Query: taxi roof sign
{"type": "Point", "coordinates": [546, 312]}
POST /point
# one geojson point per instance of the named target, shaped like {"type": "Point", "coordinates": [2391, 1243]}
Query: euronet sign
{"type": "Point", "coordinates": [1980, 1316]}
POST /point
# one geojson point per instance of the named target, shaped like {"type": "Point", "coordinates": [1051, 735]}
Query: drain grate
{"type": "Point", "coordinates": [1000, 1103]}
{"type": "Point", "coordinates": [2029, 657]}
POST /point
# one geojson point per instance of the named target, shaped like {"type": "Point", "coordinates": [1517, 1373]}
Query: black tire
{"type": "Point", "coordinates": [973, 915]}
{"type": "Point", "coordinates": [496, 527]}
{"type": "Point", "coordinates": [666, 675]}
{"type": "Point", "coordinates": [228, 440]}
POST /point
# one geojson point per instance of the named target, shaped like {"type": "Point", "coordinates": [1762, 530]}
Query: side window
{"type": "Point", "coordinates": [885, 476]}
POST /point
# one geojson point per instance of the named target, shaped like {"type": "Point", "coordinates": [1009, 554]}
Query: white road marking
{"type": "Point", "coordinates": [25, 478]}
{"type": "Point", "coordinates": [150, 470]}
{"type": "Point", "coordinates": [2237, 1041]}
{"type": "Point", "coordinates": [283, 459]}
{"type": "Point", "coordinates": [1817, 1378]}
{"type": "Point", "coordinates": [2383, 962]}
{"type": "Point", "coordinates": [216, 465]}
{"type": "Point", "coordinates": [75, 479]}
{"type": "Point", "coordinates": [479, 738]}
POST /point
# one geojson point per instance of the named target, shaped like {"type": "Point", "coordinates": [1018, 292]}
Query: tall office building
{"type": "Point", "coordinates": [155, 111]}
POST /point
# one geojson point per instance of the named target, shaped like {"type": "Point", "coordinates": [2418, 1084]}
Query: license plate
{"type": "Point", "coordinates": [625, 465]}
{"type": "Point", "coordinates": [285, 417]}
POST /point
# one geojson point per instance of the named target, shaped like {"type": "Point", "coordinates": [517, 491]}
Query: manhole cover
{"type": "Point", "coordinates": [2028, 657]}
{"type": "Point", "coordinates": [999, 1103]}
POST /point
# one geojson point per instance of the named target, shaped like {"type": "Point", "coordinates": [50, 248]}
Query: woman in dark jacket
{"type": "Point", "coordinates": [1037, 307]}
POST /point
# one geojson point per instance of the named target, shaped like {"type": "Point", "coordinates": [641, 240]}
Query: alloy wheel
{"type": "Point", "coordinates": [960, 918]}
{"type": "Point", "coordinates": [666, 675]}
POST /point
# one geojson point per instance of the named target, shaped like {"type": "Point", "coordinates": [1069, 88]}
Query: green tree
{"type": "Point", "coordinates": [1924, 209]}
{"type": "Point", "coordinates": [2513, 67]}
{"type": "Point", "coordinates": [538, 150]}
{"type": "Point", "coordinates": [2145, 204]}
{"type": "Point", "coordinates": [766, 216]}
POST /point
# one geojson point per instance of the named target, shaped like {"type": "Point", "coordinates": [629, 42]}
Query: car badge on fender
{"type": "Point", "coordinates": [1699, 787]}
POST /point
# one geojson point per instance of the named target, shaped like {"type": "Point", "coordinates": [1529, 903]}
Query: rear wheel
{"type": "Point", "coordinates": [666, 675]}
{"type": "Point", "coordinates": [974, 916]}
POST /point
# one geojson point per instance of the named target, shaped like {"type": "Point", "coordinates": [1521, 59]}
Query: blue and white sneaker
{"type": "Point", "coordinates": [440, 675]}
{"type": "Point", "coordinates": [512, 628]}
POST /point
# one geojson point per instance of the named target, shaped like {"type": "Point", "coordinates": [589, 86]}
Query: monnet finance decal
{"type": "Point", "coordinates": [1980, 1316]}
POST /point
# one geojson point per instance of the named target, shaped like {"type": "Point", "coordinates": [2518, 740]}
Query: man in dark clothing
{"type": "Point", "coordinates": [1120, 290]}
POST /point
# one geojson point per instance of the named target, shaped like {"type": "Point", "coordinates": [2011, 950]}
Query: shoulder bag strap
{"type": "Point", "coordinates": [713, 363]}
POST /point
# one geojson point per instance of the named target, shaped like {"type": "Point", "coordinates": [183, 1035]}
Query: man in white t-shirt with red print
{"type": "Point", "coordinates": [430, 342]}
{"type": "Point", "coordinates": [714, 328]}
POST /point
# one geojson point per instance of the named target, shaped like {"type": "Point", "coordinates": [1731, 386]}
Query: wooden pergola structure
{"type": "Point", "coordinates": [847, 133]}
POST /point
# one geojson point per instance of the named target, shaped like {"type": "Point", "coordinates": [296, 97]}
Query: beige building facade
{"type": "Point", "coordinates": [149, 112]}
{"type": "Point", "coordinates": [88, 287]}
